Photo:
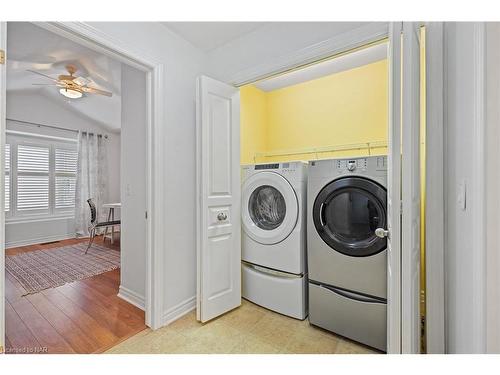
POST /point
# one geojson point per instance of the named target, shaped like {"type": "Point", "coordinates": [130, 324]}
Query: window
{"type": "Point", "coordinates": [65, 178]}
{"type": "Point", "coordinates": [32, 178]}
{"type": "Point", "coordinates": [40, 176]}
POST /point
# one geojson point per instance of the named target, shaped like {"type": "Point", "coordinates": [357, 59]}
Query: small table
{"type": "Point", "coordinates": [111, 217]}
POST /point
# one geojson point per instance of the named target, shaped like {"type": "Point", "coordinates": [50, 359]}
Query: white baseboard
{"type": "Point", "coordinates": [39, 240]}
{"type": "Point", "coordinates": [179, 310]}
{"type": "Point", "coordinates": [131, 297]}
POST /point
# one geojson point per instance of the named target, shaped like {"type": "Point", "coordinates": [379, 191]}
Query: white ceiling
{"type": "Point", "coordinates": [335, 65]}
{"type": "Point", "coordinates": [31, 47]}
{"type": "Point", "coordinates": [210, 35]}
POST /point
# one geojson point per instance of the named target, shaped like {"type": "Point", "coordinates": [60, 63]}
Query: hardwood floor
{"type": "Point", "coordinates": [85, 316]}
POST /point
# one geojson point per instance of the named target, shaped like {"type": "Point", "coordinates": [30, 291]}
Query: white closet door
{"type": "Point", "coordinates": [410, 261]}
{"type": "Point", "coordinates": [3, 47]}
{"type": "Point", "coordinates": [394, 193]}
{"type": "Point", "coordinates": [219, 199]}
{"type": "Point", "coordinates": [403, 316]}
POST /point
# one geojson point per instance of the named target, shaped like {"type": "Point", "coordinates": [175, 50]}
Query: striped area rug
{"type": "Point", "coordinates": [44, 269]}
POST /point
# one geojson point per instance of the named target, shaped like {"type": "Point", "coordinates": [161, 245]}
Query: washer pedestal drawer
{"type": "Point", "coordinates": [354, 316]}
{"type": "Point", "coordinates": [274, 290]}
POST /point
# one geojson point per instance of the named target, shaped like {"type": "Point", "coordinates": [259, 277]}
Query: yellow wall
{"type": "Point", "coordinates": [253, 122]}
{"type": "Point", "coordinates": [343, 108]}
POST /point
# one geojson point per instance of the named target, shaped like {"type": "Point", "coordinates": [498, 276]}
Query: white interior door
{"type": "Point", "coordinates": [3, 47]}
{"type": "Point", "coordinates": [218, 192]}
{"type": "Point", "coordinates": [394, 193]}
{"type": "Point", "coordinates": [410, 260]}
{"type": "Point", "coordinates": [404, 191]}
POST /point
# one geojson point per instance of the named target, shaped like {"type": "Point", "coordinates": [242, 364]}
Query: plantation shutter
{"type": "Point", "coordinates": [65, 178]}
{"type": "Point", "coordinates": [40, 176]}
{"type": "Point", "coordinates": [32, 178]}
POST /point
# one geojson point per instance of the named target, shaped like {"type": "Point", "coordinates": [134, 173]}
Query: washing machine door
{"type": "Point", "coordinates": [269, 208]}
{"type": "Point", "coordinates": [346, 213]}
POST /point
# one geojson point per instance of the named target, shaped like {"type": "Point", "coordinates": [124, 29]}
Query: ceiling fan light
{"type": "Point", "coordinates": [69, 93]}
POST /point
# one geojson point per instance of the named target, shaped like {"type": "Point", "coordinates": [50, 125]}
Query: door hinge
{"type": "Point", "coordinates": [146, 214]}
{"type": "Point", "coordinates": [2, 57]}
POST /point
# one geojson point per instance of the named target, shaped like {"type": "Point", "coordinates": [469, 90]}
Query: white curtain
{"type": "Point", "coordinates": [90, 180]}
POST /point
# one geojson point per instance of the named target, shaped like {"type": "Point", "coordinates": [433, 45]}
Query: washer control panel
{"type": "Point", "coordinates": [267, 166]}
{"type": "Point", "coordinates": [292, 169]}
{"type": "Point", "coordinates": [282, 167]}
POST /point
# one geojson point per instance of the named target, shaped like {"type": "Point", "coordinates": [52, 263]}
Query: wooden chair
{"type": "Point", "coordinates": [95, 224]}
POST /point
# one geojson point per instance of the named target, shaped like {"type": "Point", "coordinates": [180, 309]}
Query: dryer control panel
{"type": "Point", "coordinates": [370, 166]}
{"type": "Point", "coordinates": [352, 165]}
{"type": "Point", "coordinates": [358, 165]}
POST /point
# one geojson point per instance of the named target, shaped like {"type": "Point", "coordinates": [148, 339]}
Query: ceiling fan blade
{"type": "Point", "coordinates": [81, 81]}
{"type": "Point", "coordinates": [23, 65]}
{"type": "Point", "coordinates": [92, 90]}
{"type": "Point", "coordinates": [47, 84]}
{"type": "Point", "coordinates": [41, 74]}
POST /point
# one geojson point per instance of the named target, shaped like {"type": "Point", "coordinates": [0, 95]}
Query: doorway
{"type": "Point", "coordinates": [146, 76]}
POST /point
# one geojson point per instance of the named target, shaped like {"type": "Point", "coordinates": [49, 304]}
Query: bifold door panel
{"type": "Point", "coordinates": [218, 210]}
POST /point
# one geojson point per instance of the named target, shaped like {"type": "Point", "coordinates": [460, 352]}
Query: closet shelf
{"type": "Point", "coordinates": [319, 150]}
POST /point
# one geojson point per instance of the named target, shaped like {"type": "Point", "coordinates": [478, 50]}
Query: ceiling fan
{"type": "Point", "coordinates": [71, 86]}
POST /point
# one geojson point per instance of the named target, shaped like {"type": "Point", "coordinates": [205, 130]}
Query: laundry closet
{"type": "Point", "coordinates": [339, 114]}
{"type": "Point", "coordinates": [314, 193]}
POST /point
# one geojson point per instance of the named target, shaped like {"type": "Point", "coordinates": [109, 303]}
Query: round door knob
{"type": "Point", "coordinates": [381, 232]}
{"type": "Point", "coordinates": [221, 216]}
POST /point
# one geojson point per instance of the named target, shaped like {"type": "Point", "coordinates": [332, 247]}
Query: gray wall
{"type": "Point", "coordinates": [464, 307]}
{"type": "Point", "coordinates": [133, 182]}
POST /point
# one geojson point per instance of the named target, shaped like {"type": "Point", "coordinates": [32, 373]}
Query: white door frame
{"type": "Point", "coordinates": [434, 210]}
{"type": "Point", "coordinates": [394, 183]}
{"type": "Point", "coordinates": [478, 198]}
{"type": "Point", "coordinates": [491, 133]}
{"type": "Point", "coordinates": [410, 191]}
{"type": "Point", "coordinates": [3, 77]}
{"type": "Point", "coordinates": [342, 43]}
{"type": "Point", "coordinates": [126, 53]}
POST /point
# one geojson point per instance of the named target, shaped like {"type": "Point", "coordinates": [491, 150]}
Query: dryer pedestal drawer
{"type": "Point", "coordinates": [274, 290]}
{"type": "Point", "coordinates": [353, 316]}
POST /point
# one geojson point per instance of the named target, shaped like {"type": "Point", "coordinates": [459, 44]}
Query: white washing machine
{"type": "Point", "coordinates": [347, 260]}
{"type": "Point", "coordinates": [273, 213]}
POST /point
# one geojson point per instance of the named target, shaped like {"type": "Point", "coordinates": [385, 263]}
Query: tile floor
{"type": "Point", "coordinates": [250, 329]}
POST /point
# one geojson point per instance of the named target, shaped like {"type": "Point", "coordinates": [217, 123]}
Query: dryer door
{"type": "Point", "coordinates": [269, 208]}
{"type": "Point", "coordinates": [346, 213]}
